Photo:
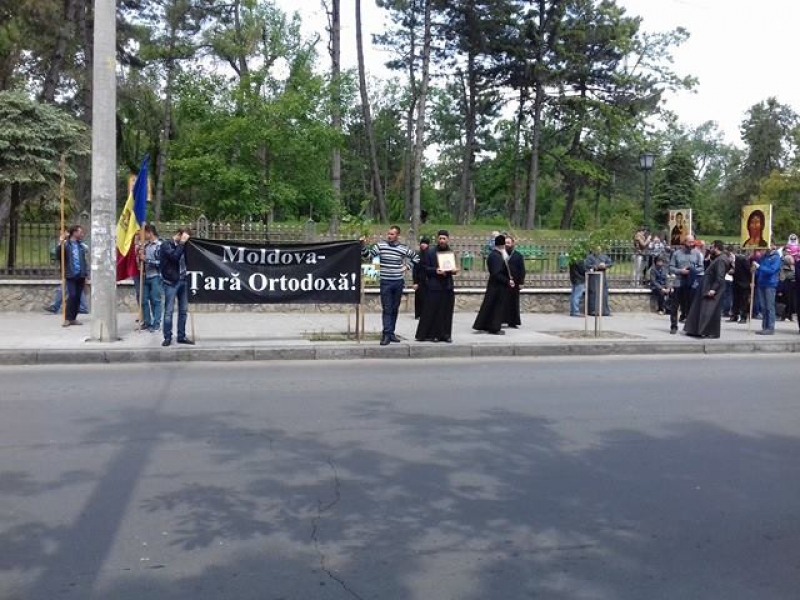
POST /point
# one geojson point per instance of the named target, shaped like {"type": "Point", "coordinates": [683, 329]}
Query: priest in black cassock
{"type": "Point", "coordinates": [516, 265]}
{"type": "Point", "coordinates": [705, 314]}
{"type": "Point", "coordinates": [498, 290]}
{"type": "Point", "coordinates": [420, 279]}
{"type": "Point", "coordinates": [436, 322]}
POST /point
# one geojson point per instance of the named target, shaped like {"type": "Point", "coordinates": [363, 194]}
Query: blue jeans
{"type": "Point", "coordinates": [391, 294]}
{"type": "Point", "coordinates": [766, 297]}
{"type": "Point", "coordinates": [151, 302]}
{"type": "Point", "coordinates": [181, 290]}
{"type": "Point", "coordinates": [578, 290]}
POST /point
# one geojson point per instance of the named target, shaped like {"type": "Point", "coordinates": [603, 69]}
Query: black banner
{"type": "Point", "coordinates": [240, 273]}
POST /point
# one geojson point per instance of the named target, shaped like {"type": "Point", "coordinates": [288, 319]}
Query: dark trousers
{"type": "Point", "coordinates": [391, 294]}
{"type": "Point", "coordinates": [741, 302]}
{"type": "Point", "coordinates": [681, 298]}
{"type": "Point", "coordinates": [785, 296]}
{"type": "Point", "coordinates": [727, 298]}
{"type": "Point", "coordinates": [660, 299]}
{"type": "Point", "coordinates": [74, 294]}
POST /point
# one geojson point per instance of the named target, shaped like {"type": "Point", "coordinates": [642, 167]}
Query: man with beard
{"type": "Point", "coordinates": [516, 265]}
{"type": "Point", "coordinates": [685, 262]}
{"type": "Point", "coordinates": [436, 322]}
{"type": "Point", "coordinates": [705, 314]}
{"type": "Point", "coordinates": [419, 278]}
{"type": "Point", "coordinates": [498, 290]}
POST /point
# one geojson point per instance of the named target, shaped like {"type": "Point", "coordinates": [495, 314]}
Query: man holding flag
{"type": "Point", "coordinates": [130, 222]}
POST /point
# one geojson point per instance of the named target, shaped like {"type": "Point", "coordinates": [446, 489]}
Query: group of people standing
{"type": "Point", "coordinates": [433, 268]}
{"type": "Point", "coordinates": [162, 266]}
{"type": "Point", "coordinates": [697, 288]}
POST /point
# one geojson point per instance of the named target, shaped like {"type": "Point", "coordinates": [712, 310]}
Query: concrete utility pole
{"type": "Point", "coordinates": [104, 172]}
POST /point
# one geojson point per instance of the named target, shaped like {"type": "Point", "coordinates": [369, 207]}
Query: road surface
{"type": "Point", "coordinates": [600, 479]}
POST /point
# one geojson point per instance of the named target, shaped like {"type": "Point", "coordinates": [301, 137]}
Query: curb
{"type": "Point", "coordinates": [11, 357]}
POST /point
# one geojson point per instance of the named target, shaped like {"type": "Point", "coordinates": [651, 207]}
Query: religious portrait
{"type": "Point", "coordinates": [446, 261]}
{"type": "Point", "coordinates": [680, 225]}
{"type": "Point", "coordinates": [756, 225]}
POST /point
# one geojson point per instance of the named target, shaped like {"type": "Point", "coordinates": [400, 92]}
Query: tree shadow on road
{"type": "Point", "coordinates": [501, 505]}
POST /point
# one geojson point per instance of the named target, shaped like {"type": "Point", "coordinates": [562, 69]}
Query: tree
{"type": "Point", "coordinates": [33, 136]}
{"type": "Point", "coordinates": [175, 27]}
{"type": "Point", "coordinates": [767, 132]}
{"type": "Point", "coordinates": [377, 186]}
{"type": "Point", "coordinates": [335, 50]}
{"type": "Point", "coordinates": [675, 184]}
{"type": "Point", "coordinates": [419, 143]}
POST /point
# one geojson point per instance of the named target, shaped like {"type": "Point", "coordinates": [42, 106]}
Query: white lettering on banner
{"type": "Point", "coordinates": [257, 282]}
{"type": "Point", "coordinates": [194, 280]}
{"type": "Point", "coordinates": [262, 256]}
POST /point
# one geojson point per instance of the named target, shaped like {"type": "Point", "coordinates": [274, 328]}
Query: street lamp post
{"type": "Point", "coordinates": [646, 162]}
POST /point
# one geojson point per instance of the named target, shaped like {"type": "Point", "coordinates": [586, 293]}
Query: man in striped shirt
{"type": "Point", "coordinates": [394, 258]}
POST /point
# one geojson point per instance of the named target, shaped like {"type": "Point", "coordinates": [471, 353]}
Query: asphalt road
{"type": "Point", "coordinates": [500, 479]}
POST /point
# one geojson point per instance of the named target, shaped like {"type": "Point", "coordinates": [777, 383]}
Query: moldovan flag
{"type": "Point", "coordinates": [130, 222]}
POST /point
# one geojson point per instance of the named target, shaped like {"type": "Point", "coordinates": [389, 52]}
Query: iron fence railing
{"type": "Point", "coordinates": [30, 250]}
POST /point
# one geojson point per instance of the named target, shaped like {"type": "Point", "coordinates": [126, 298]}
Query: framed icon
{"type": "Point", "coordinates": [446, 261]}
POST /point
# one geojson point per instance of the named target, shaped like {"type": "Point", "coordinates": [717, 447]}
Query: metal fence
{"type": "Point", "coordinates": [30, 252]}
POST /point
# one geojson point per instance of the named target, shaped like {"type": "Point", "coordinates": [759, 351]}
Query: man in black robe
{"type": "Point", "coordinates": [419, 278]}
{"type": "Point", "coordinates": [705, 314]}
{"type": "Point", "coordinates": [436, 321]}
{"type": "Point", "coordinates": [498, 290]}
{"type": "Point", "coordinates": [516, 265]}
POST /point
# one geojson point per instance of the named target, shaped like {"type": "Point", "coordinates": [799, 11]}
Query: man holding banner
{"type": "Point", "coordinates": [173, 276]}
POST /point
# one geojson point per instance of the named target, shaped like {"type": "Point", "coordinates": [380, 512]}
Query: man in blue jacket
{"type": "Point", "coordinates": [173, 276]}
{"type": "Point", "coordinates": [768, 266]}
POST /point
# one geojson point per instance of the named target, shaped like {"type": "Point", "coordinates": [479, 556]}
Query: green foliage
{"type": "Point", "coordinates": [33, 136]}
{"type": "Point", "coordinates": [675, 183]}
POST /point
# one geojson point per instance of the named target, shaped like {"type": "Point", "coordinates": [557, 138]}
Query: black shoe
{"type": "Point", "coordinates": [186, 341]}
{"type": "Point", "coordinates": [384, 340]}
{"type": "Point", "coordinates": [682, 319]}
{"type": "Point", "coordinates": [447, 340]}
{"type": "Point", "coordinates": [166, 343]}
{"type": "Point", "coordinates": [51, 309]}
{"type": "Point", "coordinates": [673, 330]}
{"type": "Point", "coordinates": [501, 332]}
{"type": "Point", "coordinates": [394, 338]}
{"type": "Point", "coordinates": [513, 326]}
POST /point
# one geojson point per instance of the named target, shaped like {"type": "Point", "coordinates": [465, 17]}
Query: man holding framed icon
{"type": "Point", "coordinates": [439, 264]}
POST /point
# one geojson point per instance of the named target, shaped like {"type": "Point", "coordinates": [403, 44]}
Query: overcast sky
{"type": "Point", "coordinates": [740, 50]}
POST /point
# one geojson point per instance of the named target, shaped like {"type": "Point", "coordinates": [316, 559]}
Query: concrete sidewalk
{"type": "Point", "coordinates": [39, 339]}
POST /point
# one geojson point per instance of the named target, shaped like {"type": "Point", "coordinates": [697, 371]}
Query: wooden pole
{"type": "Point", "coordinates": [62, 248]}
{"type": "Point", "coordinates": [752, 296]}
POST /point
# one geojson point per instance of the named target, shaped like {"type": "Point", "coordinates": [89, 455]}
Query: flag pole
{"type": "Point", "coordinates": [141, 277]}
{"type": "Point", "coordinates": [62, 249]}
{"type": "Point", "coordinates": [752, 297]}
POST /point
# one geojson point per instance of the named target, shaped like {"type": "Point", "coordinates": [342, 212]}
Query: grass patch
{"type": "Point", "coordinates": [340, 336]}
{"type": "Point", "coordinates": [603, 335]}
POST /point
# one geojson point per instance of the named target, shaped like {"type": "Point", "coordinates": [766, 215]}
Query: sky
{"type": "Point", "coordinates": [740, 50]}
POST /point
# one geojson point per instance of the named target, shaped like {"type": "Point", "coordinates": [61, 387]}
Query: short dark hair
{"type": "Point", "coordinates": [395, 227]}
{"type": "Point", "coordinates": [182, 230]}
{"type": "Point", "coordinates": [719, 245]}
{"type": "Point", "coordinates": [73, 228]}
{"type": "Point", "coordinates": [151, 228]}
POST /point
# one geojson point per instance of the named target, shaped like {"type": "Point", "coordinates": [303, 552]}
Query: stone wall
{"type": "Point", "coordinates": [33, 296]}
